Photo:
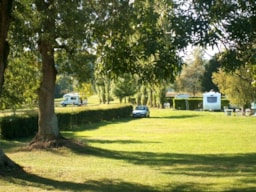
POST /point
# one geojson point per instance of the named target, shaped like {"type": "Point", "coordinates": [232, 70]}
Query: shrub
{"type": "Point", "coordinates": [17, 127]}
{"type": "Point", "coordinates": [193, 103]}
{"type": "Point", "coordinates": [23, 126]}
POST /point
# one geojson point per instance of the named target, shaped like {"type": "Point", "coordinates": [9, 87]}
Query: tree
{"type": "Point", "coordinates": [124, 86]}
{"type": "Point", "coordinates": [236, 85]}
{"type": "Point", "coordinates": [84, 89]}
{"type": "Point", "coordinates": [211, 23]}
{"type": "Point", "coordinates": [133, 40]}
{"type": "Point", "coordinates": [5, 19]}
{"type": "Point", "coordinates": [102, 84]}
{"type": "Point", "coordinates": [22, 81]}
{"type": "Point", "coordinates": [138, 45]}
{"type": "Point", "coordinates": [158, 94]}
{"type": "Point", "coordinates": [190, 78]}
{"type": "Point", "coordinates": [52, 25]}
{"type": "Point", "coordinates": [206, 81]}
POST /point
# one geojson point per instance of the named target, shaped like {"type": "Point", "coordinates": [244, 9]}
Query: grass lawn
{"type": "Point", "coordinates": [171, 151]}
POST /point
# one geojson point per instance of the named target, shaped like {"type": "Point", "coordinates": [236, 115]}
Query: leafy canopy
{"type": "Point", "coordinates": [231, 24]}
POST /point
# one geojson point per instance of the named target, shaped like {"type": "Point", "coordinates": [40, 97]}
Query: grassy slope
{"type": "Point", "coordinates": [172, 151]}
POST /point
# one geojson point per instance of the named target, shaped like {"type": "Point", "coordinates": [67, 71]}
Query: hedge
{"type": "Point", "coordinates": [16, 127]}
{"type": "Point", "coordinates": [193, 103]}
{"type": "Point", "coordinates": [13, 127]}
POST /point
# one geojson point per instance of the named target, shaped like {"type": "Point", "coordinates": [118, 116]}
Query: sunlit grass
{"type": "Point", "coordinates": [171, 151]}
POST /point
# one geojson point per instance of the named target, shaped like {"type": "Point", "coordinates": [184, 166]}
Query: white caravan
{"type": "Point", "coordinates": [212, 101]}
{"type": "Point", "coordinates": [71, 99]}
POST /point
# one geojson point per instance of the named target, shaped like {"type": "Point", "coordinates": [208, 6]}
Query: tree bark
{"type": "Point", "coordinates": [48, 129]}
{"type": "Point", "coordinates": [7, 163]}
{"type": "Point", "coordinates": [5, 19]}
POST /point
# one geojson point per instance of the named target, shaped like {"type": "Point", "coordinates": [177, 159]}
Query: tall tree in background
{"type": "Point", "coordinates": [124, 87]}
{"type": "Point", "coordinates": [211, 67]}
{"type": "Point", "coordinates": [237, 86]}
{"type": "Point", "coordinates": [190, 78]}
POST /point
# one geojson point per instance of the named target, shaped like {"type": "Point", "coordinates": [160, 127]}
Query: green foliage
{"type": "Point", "coordinates": [22, 81]}
{"type": "Point", "coordinates": [237, 86]}
{"type": "Point", "coordinates": [225, 103]}
{"type": "Point", "coordinates": [69, 120]}
{"type": "Point", "coordinates": [103, 87]}
{"type": "Point", "coordinates": [206, 81]}
{"type": "Point", "coordinates": [187, 104]}
{"type": "Point", "coordinates": [189, 79]}
{"type": "Point", "coordinates": [135, 42]}
{"type": "Point", "coordinates": [229, 23]}
{"type": "Point", "coordinates": [160, 90]}
{"type": "Point", "coordinates": [65, 84]}
{"type": "Point", "coordinates": [13, 127]}
{"type": "Point", "coordinates": [16, 127]}
{"type": "Point", "coordinates": [124, 86]}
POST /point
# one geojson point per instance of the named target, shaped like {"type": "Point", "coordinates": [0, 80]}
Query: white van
{"type": "Point", "coordinates": [71, 99]}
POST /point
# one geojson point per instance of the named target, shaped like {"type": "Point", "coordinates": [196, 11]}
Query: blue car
{"type": "Point", "coordinates": [141, 111]}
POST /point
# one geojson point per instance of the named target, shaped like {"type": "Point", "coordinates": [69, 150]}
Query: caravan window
{"type": "Point", "coordinates": [72, 98]}
{"type": "Point", "coordinates": [212, 99]}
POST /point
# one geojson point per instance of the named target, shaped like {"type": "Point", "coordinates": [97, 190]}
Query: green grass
{"type": "Point", "coordinates": [171, 151]}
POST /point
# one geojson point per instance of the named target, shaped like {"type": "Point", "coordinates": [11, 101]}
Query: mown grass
{"type": "Point", "coordinates": [171, 151]}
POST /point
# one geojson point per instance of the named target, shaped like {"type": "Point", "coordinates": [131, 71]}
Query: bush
{"type": "Point", "coordinates": [193, 103]}
{"type": "Point", "coordinates": [17, 127]}
{"type": "Point", "coordinates": [224, 102]}
{"type": "Point", "coordinates": [179, 104]}
{"type": "Point", "coordinates": [187, 104]}
{"type": "Point", "coordinates": [21, 126]}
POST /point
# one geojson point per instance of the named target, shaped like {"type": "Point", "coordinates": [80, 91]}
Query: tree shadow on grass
{"type": "Point", "coordinates": [223, 165]}
{"type": "Point", "coordinates": [190, 164]}
{"type": "Point", "coordinates": [206, 165]}
{"type": "Point", "coordinates": [26, 179]}
{"type": "Point", "coordinates": [241, 167]}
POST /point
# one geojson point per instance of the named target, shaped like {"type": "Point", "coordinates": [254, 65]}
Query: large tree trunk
{"type": "Point", "coordinates": [5, 18]}
{"type": "Point", "coordinates": [7, 163]}
{"type": "Point", "coordinates": [48, 130]}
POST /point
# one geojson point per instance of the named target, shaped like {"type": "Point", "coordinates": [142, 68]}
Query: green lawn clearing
{"type": "Point", "coordinates": [171, 151]}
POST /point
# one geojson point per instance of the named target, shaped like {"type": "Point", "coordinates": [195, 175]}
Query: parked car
{"type": "Point", "coordinates": [141, 111]}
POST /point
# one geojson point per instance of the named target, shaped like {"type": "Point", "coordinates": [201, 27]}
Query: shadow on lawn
{"type": "Point", "coordinates": [105, 185]}
{"type": "Point", "coordinates": [223, 165]}
{"type": "Point", "coordinates": [239, 166]}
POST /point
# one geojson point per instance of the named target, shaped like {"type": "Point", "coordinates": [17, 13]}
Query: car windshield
{"type": "Point", "coordinates": [140, 108]}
